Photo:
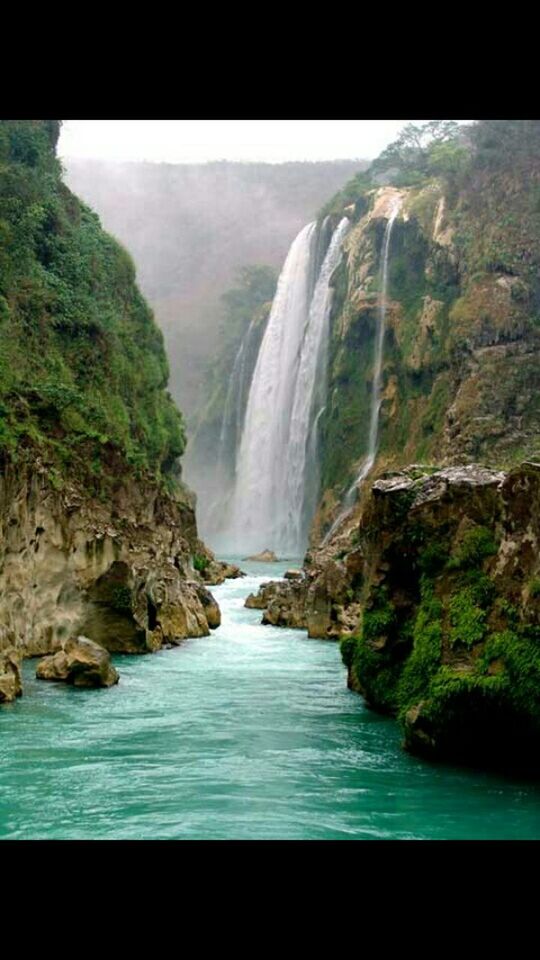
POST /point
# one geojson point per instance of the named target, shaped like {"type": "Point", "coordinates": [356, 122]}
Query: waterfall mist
{"type": "Point", "coordinates": [277, 471]}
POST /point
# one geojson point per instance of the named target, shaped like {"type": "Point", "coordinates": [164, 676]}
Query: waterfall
{"type": "Point", "coordinates": [229, 439]}
{"type": "Point", "coordinates": [232, 422]}
{"type": "Point", "coordinates": [302, 463]}
{"type": "Point", "coordinates": [376, 398]}
{"type": "Point", "coordinates": [278, 443]}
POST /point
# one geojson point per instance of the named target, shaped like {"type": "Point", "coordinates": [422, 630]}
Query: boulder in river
{"type": "Point", "coordinates": [10, 675]}
{"type": "Point", "coordinates": [80, 662]}
{"type": "Point", "coordinates": [267, 556]}
{"type": "Point", "coordinates": [210, 606]}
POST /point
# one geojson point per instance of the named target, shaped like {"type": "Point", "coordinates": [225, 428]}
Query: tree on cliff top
{"type": "Point", "coordinates": [430, 149]}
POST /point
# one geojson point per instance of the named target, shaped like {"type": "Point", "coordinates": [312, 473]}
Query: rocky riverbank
{"type": "Point", "coordinates": [119, 572]}
{"type": "Point", "coordinates": [437, 605]}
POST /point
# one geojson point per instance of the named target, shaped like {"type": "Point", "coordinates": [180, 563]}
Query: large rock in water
{"type": "Point", "coordinates": [218, 571]}
{"type": "Point", "coordinates": [81, 662]}
{"type": "Point", "coordinates": [10, 675]}
{"type": "Point", "coordinates": [209, 605]}
{"type": "Point", "coordinates": [267, 556]}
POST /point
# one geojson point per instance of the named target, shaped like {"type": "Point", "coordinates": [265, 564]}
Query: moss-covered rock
{"type": "Point", "coordinates": [450, 642]}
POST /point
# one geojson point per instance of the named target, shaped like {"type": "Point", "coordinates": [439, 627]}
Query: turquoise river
{"type": "Point", "coordinates": [248, 734]}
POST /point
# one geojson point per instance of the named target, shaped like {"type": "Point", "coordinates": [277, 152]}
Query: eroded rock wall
{"type": "Point", "coordinates": [117, 570]}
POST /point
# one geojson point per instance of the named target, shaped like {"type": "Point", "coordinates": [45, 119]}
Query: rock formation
{"type": "Point", "coordinates": [80, 662]}
{"type": "Point", "coordinates": [10, 675]}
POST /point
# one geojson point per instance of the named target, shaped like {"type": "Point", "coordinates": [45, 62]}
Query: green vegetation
{"type": "Point", "coordinates": [534, 588]}
{"type": "Point", "coordinates": [477, 544]}
{"type": "Point", "coordinates": [200, 562]}
{"type": "Point", "coordinates": [424, 660]}
{"type": "Point", "coordinates": [83, 369]}
{"type": "Point", "coordinates": [256, 286]}
{"type": "Point", "coordinates": [468, 620]}
{"type": "Point", "coordinates": [355, 192]}
{"type": "Point", "coordinates": [422, 152]}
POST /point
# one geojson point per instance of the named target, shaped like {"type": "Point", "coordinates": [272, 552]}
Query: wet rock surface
{"type": "Point", "coordinates": [81, 663]}
{"type": "Point", "coordinates": [267, 556]}
{"type": "Point", "coordinates": [10, 675]}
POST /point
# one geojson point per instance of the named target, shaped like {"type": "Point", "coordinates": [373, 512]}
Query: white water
{"type": "Point", "coordinates": [278, 445]}
{"type": "Point", "coordinates": [260, 482]}
{"type": "Point", "coordinates": [376, 398]}
{"type": "Point", "coordinates": [213, 519]}
{"type": "Point", "coordinates": [301, 467]}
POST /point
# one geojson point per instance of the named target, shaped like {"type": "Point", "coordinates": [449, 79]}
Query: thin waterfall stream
{"type": "Point", "coordinates": [376, 396]}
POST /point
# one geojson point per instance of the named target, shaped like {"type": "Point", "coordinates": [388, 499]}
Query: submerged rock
{"type": "Point", "coordinates": [80, 662]}
{"type": "Point", "coordinates": [10, 675]}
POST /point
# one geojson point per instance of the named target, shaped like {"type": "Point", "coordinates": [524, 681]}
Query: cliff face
{"type": "Point", "coordinates": [119, 571]}
{"type": "Point", "coordinates": [97, 533]}
{"type": "Point", "coordinates": [461, 371]}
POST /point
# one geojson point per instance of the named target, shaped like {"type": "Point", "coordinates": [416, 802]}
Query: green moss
{"type": "Point", "coordinates": [377, 674]}
{"type": "Point", "coordinates": [519, 652]}
{"type": "Point", "coordinates": [347, 648]}
{"type": "Point", "coordinates": [468, 620]}
{"type": "Point", "coordinates": [380, 618]}
{"type": "Point", "coordinates": [424, 660]}
{"type": "Point", "coordinates": [433, 558]}
{"type": "Point", "coordinates": [453, 695]}
{"type": "Point", "coordinates": [476, 545]}
{"type": "Point", "coordinates": [534, 587]}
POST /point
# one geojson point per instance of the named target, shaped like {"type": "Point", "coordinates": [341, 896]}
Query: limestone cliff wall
{"type": "Point", "coordinates": [117, 570]}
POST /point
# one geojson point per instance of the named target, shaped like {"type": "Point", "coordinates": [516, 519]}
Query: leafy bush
{"type": "Point", "coordinates": [200, 562]}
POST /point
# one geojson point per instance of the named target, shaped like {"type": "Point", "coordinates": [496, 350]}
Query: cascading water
{"type": "Point", "coordinates": [279, 435]}
{"type": "Point", "coordinates": [301, 466]}
{"type": "Point", "coordinates": [376, 397]}
{"type": "Point", "coordinates": [258, 499]}
{"type": "Point", "coordinates": [231, 426]}
{"type": "Point", "coordinates": [211, 520]}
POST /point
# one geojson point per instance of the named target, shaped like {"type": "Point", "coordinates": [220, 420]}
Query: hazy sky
{"type": "Point", "coordinates": [195, 141]}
